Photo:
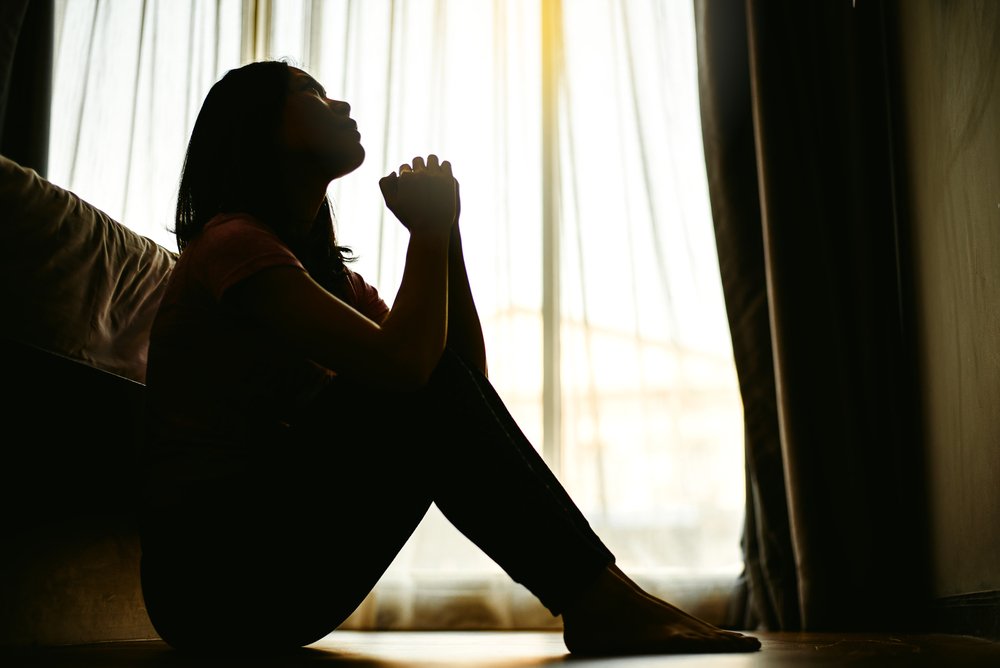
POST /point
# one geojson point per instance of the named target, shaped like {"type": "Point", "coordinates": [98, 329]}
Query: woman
{"type": "Point", "coordinates": [300, 428]}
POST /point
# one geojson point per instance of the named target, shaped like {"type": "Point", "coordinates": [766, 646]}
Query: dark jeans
{"type": "Point", "coordinates": [283, 556]}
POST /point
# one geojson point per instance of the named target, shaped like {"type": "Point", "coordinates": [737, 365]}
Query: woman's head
{"type": "Point", "coordinates": [232, 151]}
{"type": "Point", "coordinates": [316, 132]}
{"type": "Point", "coordinates": [257, 124]}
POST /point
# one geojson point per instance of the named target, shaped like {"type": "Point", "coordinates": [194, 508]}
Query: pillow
{"type": "Point", "coordinates": [73, 281]}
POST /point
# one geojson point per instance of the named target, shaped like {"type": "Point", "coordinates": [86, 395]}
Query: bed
{"type": "Point", "coordinates": [79, 293]}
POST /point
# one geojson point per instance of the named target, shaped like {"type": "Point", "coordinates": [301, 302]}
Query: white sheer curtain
{"type": "Point", "coordinates": [644, 423]}
{"type": "Point", "coordinates": [129, 79]}
{"type": "Point", "coordinates": [651, 409]}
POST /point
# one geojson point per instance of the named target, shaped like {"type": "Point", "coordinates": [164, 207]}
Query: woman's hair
{"type": "Point", "coordinates": [232, 163]}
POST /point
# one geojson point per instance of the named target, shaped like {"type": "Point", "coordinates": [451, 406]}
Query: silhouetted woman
{"type": "Point", "coordinates": [299, 428]}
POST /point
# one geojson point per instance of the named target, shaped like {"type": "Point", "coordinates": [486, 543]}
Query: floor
{"type": "Point", "coordinates": [509, 649]}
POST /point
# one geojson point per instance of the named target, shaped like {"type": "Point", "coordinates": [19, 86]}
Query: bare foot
{"type": "Point", "coordinates": [616, 617]}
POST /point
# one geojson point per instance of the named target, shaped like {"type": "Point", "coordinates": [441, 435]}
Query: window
{"type": "Point", "coordinates": [574, 130]}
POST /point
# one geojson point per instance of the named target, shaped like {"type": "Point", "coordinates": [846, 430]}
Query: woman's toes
{"type": "Point", "coordinates": [747, 642]}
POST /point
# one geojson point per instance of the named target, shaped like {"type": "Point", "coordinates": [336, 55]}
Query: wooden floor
{"type": "Point", "coordinates": [521, 649]}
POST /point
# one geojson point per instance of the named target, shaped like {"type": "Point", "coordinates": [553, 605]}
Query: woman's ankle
{"type": "Point", "coordinates": [605, 593]}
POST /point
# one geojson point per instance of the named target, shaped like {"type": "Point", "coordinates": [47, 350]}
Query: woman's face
{"type": "Point", "coordinates": [318, 129]}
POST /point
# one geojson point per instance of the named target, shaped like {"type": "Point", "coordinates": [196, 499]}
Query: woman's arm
{"type": "Point", "coordinates": [402, 351]}
{"type": "Point", "coordinates": [465, 331]}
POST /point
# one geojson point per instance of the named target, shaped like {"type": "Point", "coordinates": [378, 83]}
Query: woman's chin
{"type": "Point", "coordinates": [346, 162]}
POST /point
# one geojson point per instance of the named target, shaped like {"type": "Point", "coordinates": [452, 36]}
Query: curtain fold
{"type": "Point", "coordinates": [807, 237]}
{"type": "Point", "coordinates": [129, 80]}
{"type": "Point", "coordinates": [26, 37]}
{"type": "Point", "coordinates": [769, 579]}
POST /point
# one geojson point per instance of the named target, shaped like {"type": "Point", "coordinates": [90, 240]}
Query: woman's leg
{"type": "Point", "coordinates": [284, 554]}
{"type": "Point", "coordinates": [290, 558]}
{"type": "Point", "coordinates": [455, 443]}
{"type": "Point", "coordinates": [491, 483]}
{"type": "Point", "coordinates": [452, 443]}
{"type": "Point", "coordinates": [266, 565]}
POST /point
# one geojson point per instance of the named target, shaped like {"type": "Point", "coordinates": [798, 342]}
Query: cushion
{"type": "Point", "coordinates": [74, 281]}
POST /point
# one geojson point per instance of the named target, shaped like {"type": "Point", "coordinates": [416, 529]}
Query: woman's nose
{"type": "Point", "coordinates": [340, 107]}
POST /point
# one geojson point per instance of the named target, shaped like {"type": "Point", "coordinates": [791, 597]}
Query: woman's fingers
{"type": "Point", "coordinates": [389, 185]}
{"type": "Point", "coordinates": [424, 194]}
{"type": "Point", "coordinates": [418, 164]}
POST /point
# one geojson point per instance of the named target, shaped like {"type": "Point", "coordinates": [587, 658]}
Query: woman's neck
{"type": "Point", "coordinates": [303, 192]}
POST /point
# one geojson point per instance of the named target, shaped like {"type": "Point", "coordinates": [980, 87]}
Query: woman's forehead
{"type": "Point", "coordinates": [300, 74]}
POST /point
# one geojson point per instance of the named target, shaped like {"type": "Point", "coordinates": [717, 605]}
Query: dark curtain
{"type": "Point", "coordinates": [800, 139]}
{"type": "Point", "coordinates": [26, 47]}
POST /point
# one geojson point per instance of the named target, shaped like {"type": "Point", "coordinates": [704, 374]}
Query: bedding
{"type": "Point", "coordinates": [75, 282]}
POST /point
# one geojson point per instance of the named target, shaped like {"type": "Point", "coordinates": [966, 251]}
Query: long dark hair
{"type": "Point", "coordinates": [231, 167]}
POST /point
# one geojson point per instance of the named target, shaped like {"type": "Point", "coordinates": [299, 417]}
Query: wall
{"type": "Point", "coordinates": [950, 102]}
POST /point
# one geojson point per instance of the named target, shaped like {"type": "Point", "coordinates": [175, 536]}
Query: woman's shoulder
{"type": "Point", "coordinates": [230, 248]}
{"type": "Point", "coordinates": [357, 282]}
{"type": "Point", "coordinates": [365, 297]}
{"type": "Point", "coordinates": [235, 223]}
{"type": "Point", "coordinates": [237, 234]}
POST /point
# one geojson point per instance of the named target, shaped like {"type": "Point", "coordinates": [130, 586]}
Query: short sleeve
{"type": "Point", "coordinates": [236, 247]}
{"type": "Point", "coordinates": [366, 298]}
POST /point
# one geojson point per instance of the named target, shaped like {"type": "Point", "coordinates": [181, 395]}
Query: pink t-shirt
{"type": "Point", "coordinates": [216, 381]}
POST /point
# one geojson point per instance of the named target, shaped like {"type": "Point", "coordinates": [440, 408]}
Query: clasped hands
{"type": "Point", "coordinates": [423, 195]}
